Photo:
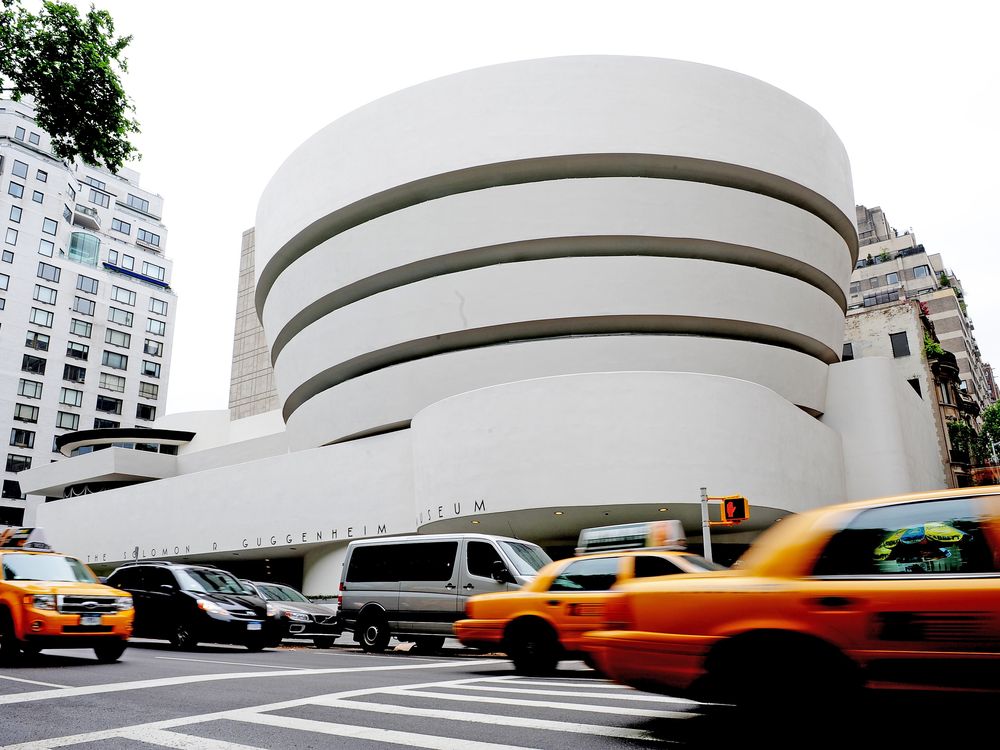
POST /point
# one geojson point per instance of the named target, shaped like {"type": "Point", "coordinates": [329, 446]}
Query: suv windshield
{"type": "Point", "coordinates": [274, 592]}
{"type": "Point", "coordinates": [527, 558]}
{"type": "Point", "coordinates": [25, 567]}
{"type": "Point", "coordinates": [210, 581]}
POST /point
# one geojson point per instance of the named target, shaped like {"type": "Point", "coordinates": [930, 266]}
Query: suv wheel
{"type": "Point", "coordinates": [374, 631]}
{"type": "Point", "coordinates": [533, 647]}
{"type": "Point", "coordinates": [108, 653]}
{"type": "Point", "coordinates": [183, 638]}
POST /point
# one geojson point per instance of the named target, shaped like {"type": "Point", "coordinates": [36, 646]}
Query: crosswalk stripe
{"type": "Point", "coordinates": [577, 694]}
{"type": "Point", "coordinates": [616, 710]}
{"type": "Point", "coordinates": [567, 683]}
{"type": "Point", "coordinates": [236, 663]}
{"type": "Point", "coordinates": [493, 719]}
{"type": "Point", "coordinates": [31, 682]}
{"type": "Point", "coordinates": [409, 739]}
{"type": "Point", "coordinates": [181, 741]}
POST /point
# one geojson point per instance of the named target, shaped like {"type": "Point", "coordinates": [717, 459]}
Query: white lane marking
{"type": "Point", "coordinates": [569, 683]}
{"type": "Point", "coordinates": [494, 719]}
{"type": "Point", "coordinates": [181, 741]}
{"type": "Point", "coordinates": [616, 710]}
{"type": "Point", "coordinates": [31, 682]}
{"type": "Point", "coordinates": [42, 695]}
{"type": "Point", "coordinates": [409, 739]}
{"type": "Point", "coordinates": [217, 661]}
{"type": "Point", "coordinates": [636, 696]}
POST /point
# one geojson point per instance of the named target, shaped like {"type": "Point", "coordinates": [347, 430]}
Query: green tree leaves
{"type": "Point", "coordinates": [69, 64]}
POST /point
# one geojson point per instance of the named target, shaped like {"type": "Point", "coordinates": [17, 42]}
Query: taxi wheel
{"type": "Point", "coordinates": [374, 634]}
{"type": "Point", "coordinates": [182, 638]}
{"type": "Point", "coordinates": [10, 648]}
{"type": "Point", "coordinates": [533, 647]}
{"type": "Point", "coordinates": [107, 653]}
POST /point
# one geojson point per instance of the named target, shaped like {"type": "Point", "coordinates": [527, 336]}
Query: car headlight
{"type": "Point", "coordinates": [123, 603]}
{"type": "Point", "coordinates": [297, 616]}
{"type": "Point", "coordinates": [43, 601]}
{"type": "Point", "coordinates": [212, 608]}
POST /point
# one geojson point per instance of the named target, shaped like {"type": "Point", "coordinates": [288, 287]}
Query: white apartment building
{"type": "Point", "coordinates": [86, 308]}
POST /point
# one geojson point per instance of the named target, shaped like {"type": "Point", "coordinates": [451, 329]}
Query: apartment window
{"type": "Point", "coordinates": [84, 248]}
{"type": "Point", "coordinates": [105, 424]}
{"type": "Point", "coordinates": [123, 295]}
{"type": "Point", "coordinates": [39, 341]}
{"type": "Point", "coordinates": [157, 327]}
{"type": "Point", "coordinates": [48, 272]}
{"type": "Point", "coordinates": [892, 278]}
{"type": "Point", "coordinates": [128, 262]}
{"type": "Point", "coordinates": [848, 353]}
{"type": "Point", "coordinates": [149, 390]}
{"type": "Point", "coordinates": [7, 256]}
{"type": "Point", "coordinates": [115, 360]}
{"type": "Point", "coordinates": [44, 294]}
{"type": "Point", "coordinates": [119, 316]}
{"type": "Point", "coordinates": [145, 411]}
{"type": "Point", "coordinates": [3, 303]}
{"type": "Point", "coordinates": [94, 182]}
{"type": "Point", "coordinates": [20, 169]}
{"type": "Point", "coordinates": [30, 363]}
{"type": "Point", "coordinates": [140, 204]}
{"type": "Point", "coordinates": [150, 369]}
{"type": "Point", "coordinates": [67, 214]}
{"type": "Point", "coordinates": [84, 306]}
{"type": "Point", "coordinates": [67, 420]}
{"type": "Point", "coordinates": [153, 348]}
{"type": "Point", "coordinates": [15, 189]}
{"type": "Point", "coordinates": [880, 298]}
{"type": "Point", "coordinates": [77, 351]}
{"type": "Point", "coordinates": [117, 338]}
{"type": "Point", "coordinates": [157, 306]}
{"type": "Point", "coordinates": [109, 405]}
{"type": "Point", "coordinates": [49, 226]}
{"type": "Point", "coordinates": [74, 374]}
{"type": "Point", "coordinates": [153, 271]}
{"type": "Point", "coordinates": [4, 282]}
{"type": "Point", "coordinates": [37, 196]}
{"type": "Point", "coordinates": [46, 248]}
{"type": "Point", "coordinates": [29, 388]}
{"type": "Point", "coordinates": [900, 344]}
{"type": "Point", "coordinates": [118, 225]}
{"type": "Point", "coordinates": [915, 385]}
{"type": "Point", "coordinates": [87, 284]}
{"type": "Point", "coordinates": [101, 199]}
{"type": "Point", "coordinates": [11, 237]}
{"type": "Point", "coordinates": [12, 490]}
{"type": "Point", "coordinates": [41, 318]}
{"type": "Point", "coordinates": [112, 382]}
{"type": "Point", "coordinates": [25, 413]}
{"type": "Point", "coordinates": [70, 397]}
{"type": "Point", "coordinates": [42, 176]}
{"type": "Point", "coordinates": [22, 438]}
{"type": "Point", "coordinates": [16, 463]}
{"type": "Point", "coordinates": [920, 272]}
{"type": "Point", "coordinates": [71, 191]}
{"type": "Point", "coordinates": [15, 214]}
{"type": "Point", "coordinates": [80, 328]}
{"type": "Point", "coordinates": [19, 133]}
{"type": "Point", "coordinates": [113, 257]}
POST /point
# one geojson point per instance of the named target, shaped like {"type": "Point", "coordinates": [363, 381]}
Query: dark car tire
{"type": "Point", "coordinates": [108, 653]}
{"type": "Point", "coordinates": [182, 637]}
{"type": "Point", "coordinates": [533, 647]}
{"type": "Point", "coordinates": [428, 644]}
{"type": "Point", "coordinates": [323, 641]}
{"type": "Point", "coordinates": [374, 634]}
{"type": "Point", "coordinates": [256, 644]}
{"type": "Point", "coordinates": [31, 649]}
{"type": "Point", "coordinates": [10, 647]}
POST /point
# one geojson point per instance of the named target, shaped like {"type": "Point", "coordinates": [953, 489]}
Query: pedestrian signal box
{"type": "Point", "coordinates": [735, 509]}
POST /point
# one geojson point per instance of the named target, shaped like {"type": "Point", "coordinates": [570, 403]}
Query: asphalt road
{"type": "Point", "coordinates": [223, 698]}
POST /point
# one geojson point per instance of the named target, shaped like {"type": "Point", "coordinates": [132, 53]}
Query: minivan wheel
{"type": "Point", "coordinates": [374, 634]}
{"type": "Point", "coordinates": [108, 653]}
{"type": "Point", "coordinates": [534, 648]}
{"type": "Point", "coordinates": [428, 644]}
{"type": "Point", "coordinates": [182, 638]}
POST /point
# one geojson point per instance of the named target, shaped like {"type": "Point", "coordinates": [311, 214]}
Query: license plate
{"type": "Point", "coordinates": [253, 626]}
{"type": "Point", "coordinates": [90, 619]}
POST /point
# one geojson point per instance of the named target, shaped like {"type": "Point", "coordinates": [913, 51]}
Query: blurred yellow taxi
{"type": "Point", "coordinates": [899, 593]}
{"type": "Point", "coordinates": [543, 621]}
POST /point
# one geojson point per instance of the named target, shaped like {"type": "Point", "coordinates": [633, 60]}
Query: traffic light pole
{"type": "Point", "coordinates": [706, 527]}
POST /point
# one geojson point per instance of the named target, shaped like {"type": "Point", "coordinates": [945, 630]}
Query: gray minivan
{"type": "Point", "coordinates": [415, 587]}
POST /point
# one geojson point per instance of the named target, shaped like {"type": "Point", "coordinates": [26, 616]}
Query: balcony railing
{"type": "Point", "coordinates": [85, 216]}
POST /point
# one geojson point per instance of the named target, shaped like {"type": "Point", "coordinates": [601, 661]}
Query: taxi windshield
{"type": "Point", "coordinates": [527, 558]}
{"type": "Point", "coordinates": [25, 567]}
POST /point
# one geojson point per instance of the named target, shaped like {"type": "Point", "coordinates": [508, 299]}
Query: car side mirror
{"type": "Point", "coordinates": [500, 573]}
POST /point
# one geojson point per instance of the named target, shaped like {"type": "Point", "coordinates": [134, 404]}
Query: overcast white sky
{"type": "Point", "coordinates": [226, 91]}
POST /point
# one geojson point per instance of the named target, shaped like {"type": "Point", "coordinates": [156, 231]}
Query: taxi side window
{"type": "Point", "coordinates": [649, 566]}
{"type": "Point", "coordinates": [943, 537]}
{"type": "Point", "coordinates": [598, 574]}
{"type": "Point", "coordinates": [480, 557]}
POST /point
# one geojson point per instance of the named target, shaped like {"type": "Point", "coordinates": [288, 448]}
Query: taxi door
{"type": "Point", "coordinates": [576, 598]}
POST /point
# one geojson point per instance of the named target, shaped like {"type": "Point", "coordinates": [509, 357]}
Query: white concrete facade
{"type": "Point", "coordinates": [531, 298]}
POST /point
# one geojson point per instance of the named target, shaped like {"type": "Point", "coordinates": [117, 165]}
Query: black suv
{"type": "Point", "coordinates": [187, 604]}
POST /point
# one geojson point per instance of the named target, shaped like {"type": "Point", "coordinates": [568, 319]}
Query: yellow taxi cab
{"type": "Point", "coordinates": [543, 622]}
{"type": "Point", "coordinates": [51, 600]}
{"type": "Point", "coordinates": [898, 593]}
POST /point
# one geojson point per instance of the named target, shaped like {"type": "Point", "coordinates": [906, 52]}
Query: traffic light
{"type": "Point", "coordinates": [735, 509]}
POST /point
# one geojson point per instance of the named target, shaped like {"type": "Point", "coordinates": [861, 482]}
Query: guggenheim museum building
{"type": "Point", "coordinates": [524, 299]}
